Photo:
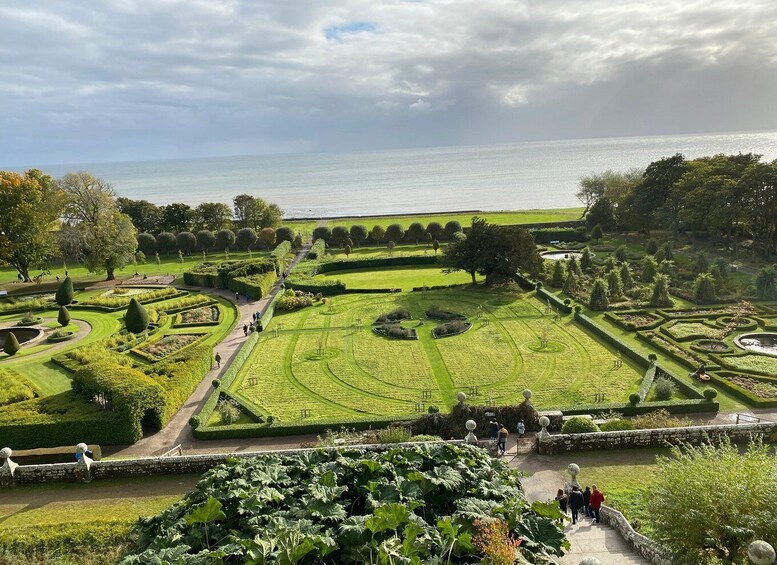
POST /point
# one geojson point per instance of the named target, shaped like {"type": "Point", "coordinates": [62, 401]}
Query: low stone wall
{"type": "Point", "coordinates": [174, 465]}
{"type": "Point", "coordinates": [563, 443]}
{"type": "Point", "coordinates": [644, 546]}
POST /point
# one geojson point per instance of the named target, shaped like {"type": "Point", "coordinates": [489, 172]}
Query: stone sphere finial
{"type": "Point", "coordinates": [544, 421]}
{"type": "Point", "coordinates": [574, 469]}
{"type": "Point", "coordinates": [6, 453]}
{"type": "Point", "coordinates": [761, 553]}
{"type": "Point", "coordinates": [81, 448]}
{"type": "Point", "coordinates": [471, 425]}
{"type": "Point", "coordinates": [462, 397]}
{"type": "Point", "coordinates": [590, 561]}
{"type": "Point", "coordinates": [527, 394]}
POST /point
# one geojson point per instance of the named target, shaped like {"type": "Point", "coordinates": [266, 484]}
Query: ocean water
{"type": "Point", "coordinates": [490, 177]}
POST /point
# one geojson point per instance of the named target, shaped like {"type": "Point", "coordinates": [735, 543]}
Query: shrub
{"type": "Point", "coordinates": [599, 300]}
{"type": "Point", "coordinates": [659, 419]}
{"type": "Point", "coordinates": [433, 409]}
{"type": "Point", "coordinates": [424, 437]}
{"type": "Point", "coordinates": [394, 316]}
{"type": "Point", "coordinates": [701, 265]}
{"type": "Point", "coordinates": [649, 269]}
{"type": "Point", "coordinates": [626, 277]}
{"type": "Point", "coordinates": [660, 296]}
{"type": "Point", "coordinates": [634, 398]}
{"type": "Point", "coordinates": [451, 228]}
{"type": "Point", "coordinates": [29, 318]}
{"type": "Point", "coordinates": [228, 411]}
{"type": "Point", "coordinates": [451, 328]}
{"type": "Point", "coordinates": [597, 233]}
{"type": "Point", "coordinates": [14, 388]}
{"type": "Point", "coordinates": [570, 285]}
{"type": "Point", "coordinates": [194, 421]}
{"type": "Point", "coordinates": [766, 283]}
{"type": "Point", "coordinates": [394, 434]}
{"type": "Point", "coordinates": [11, 346]}
{"type": "Point", "coordinates": [710, 394]}
{"type": "Point", "coordinates": [165, 241]}
{"type": "Point", "coordinates": [288, 303]}
{"type": "Point", "coordinates": [64, 295]}
{"type": "Point", "coordinates": [557, 280]}
{"type": "Point", "coordinates": [317, 250]}
{"type": "Point", "coordinates": [617, 425]}
{"type": "Point", "coordinates": [63, 319]}
{"type": "Point", "coordinates": [652, 247]}
{"type": "Point", "coordinates": [614, 284]}
{"type": "Point", "coordinates": [146, 242]}
{"type": "Point", "coordinates": [395, 331]}
{"type": "Point", "coordinates": [436, 313]}
{"type": "Point", "coordinates": [663, 389]}
{"type": "Point", "coordinates": [704, 289]}
{"type": "Point", "coordinates": [620, 253]}
{"type": "Point", "coordinates": [136, 318]}
{"type": "Point", "coordinates": [586, 260]}
{"type": "Point", "coordinates": [579, 425]}
{"type": "Point", "coordinates": [573, 266]}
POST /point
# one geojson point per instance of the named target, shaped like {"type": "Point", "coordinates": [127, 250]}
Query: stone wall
{"type": "Point", "coordinates": [563, 443]}
{"type": "Point", "coordinates": [174, 465]}
{"type": "Point", "coordinates": [644, 546]}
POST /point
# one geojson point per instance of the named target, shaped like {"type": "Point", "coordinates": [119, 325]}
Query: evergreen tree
{"type": "Point", "coordinates": [661, 291]}
{"type": "Point", "coordinates": [599, 300]}
{"type": "Point", "coordinates": [557, 280]}
{"type": "Point", "coordinates": [570, 285]}
{"type": "Point", "coordinates": [620, 253]}
{"type": "Point", "coordinates": [587, 261]}
{"type": "Point", "coordinates": [666, 251]}
{"type": "Point", "coordinates": [626, 278]}
{"type": "Point", "coordinates": [64, 294]}
{"type": "Point", "coordinates": [649, 269]}
{"type": "Point", "coordinates": [64, 316]}
{"type": "Point", "coordinates": [573, 266]}
{"type": "Point", "coordinates": [136, 318]}
{"type": "Point", "coordinates": [704, 289]}
{"type": "Point", "coordinates": [614, 284]}
{"type": "Point", "coordinates": [597, 233]}
{"type": "Point", "coordinates": [701, 265]}
{"type": "Point", "coordinates": [766, 283]}
{"type": "Point", "coordinates": [651, 247]}
{"type": "Point", "coordinates": [610, 264]}
{"type": "Point", "coordinates": [11, 344]}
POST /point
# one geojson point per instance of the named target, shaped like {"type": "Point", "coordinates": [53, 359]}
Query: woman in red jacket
{"type": "Point", "coordinates": [597, 498]}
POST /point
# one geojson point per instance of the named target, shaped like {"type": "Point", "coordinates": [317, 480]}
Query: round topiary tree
{"type": "Point", "coordinates": [599, 300]}
{"type": "Point", "coordinates": [64, 316]}
{"type": "Point", "coordinates": [579, 425]}
{"type": "Point", "coordinates": [64, 294]}
{"type": "Point", "coordinates": [704, 289]}
{"type": "Point", "coordinates": [597, 232]}
{"type": "Point", "coordinates": [11, 344]}
{"type": "Point", "coordinates": [451, 228]}
{"type": "Point", "coordinates": [165, 242]}
{"type": "Point", "coordinates": [710, 394]}
{"type": "Point", "coordinates": [634, 399]}
{"type": "Point", "coordinates": [136, 318]}
{"type": "Point", "coordinates": [146, 242]}
{"type": "Point", "coordinates": [661, 291]}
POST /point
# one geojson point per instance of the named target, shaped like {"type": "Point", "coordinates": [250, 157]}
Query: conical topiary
{"type": "Point", "coordinates": [64, 316]}
{"type": "Point", "coordinates": [64, 294]}
{"type": "Point", "coordinates": [11, 344]}
{"type": "Point", "coordinates": [136, 318]}
{"type": "Point", "coordinates": [599, 300]}
{"type": "Point", "coordinates": [557, 280]}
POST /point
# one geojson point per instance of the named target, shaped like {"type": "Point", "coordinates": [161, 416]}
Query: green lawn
{"type": "Point", "coordinates": [381, 251]}
{"type": "Point", "coordinates": [405, 278]}
{"type": "Point", "coordinates": [320, 362]}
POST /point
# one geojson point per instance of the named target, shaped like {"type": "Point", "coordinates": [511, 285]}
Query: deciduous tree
{"type": "Point", "coordinates": [246, 238]}
{"type": "Point", "coordinates": [205, 240]}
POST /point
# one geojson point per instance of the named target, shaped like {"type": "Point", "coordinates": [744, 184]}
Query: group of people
{"type": "Point", "coordinates": [575, 500]}
{"type": "Point", "coordinates": [499, 433]}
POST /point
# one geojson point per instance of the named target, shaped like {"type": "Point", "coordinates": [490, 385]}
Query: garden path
{"type": "Point", "coordinates": [83, 330]}
{"type": "Point", "coordinates": [586, 538]}
{"type": "Point", "coordinates": [177, 431]}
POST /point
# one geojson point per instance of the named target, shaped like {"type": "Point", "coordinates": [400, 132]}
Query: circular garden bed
{"type": "Point", "coordinates": [450, 329]}
{"type": "Point", "coordinates": [711, 346]}
{"type": "Point", "coordinates": [744, 324]}
{"type": "Point", "coordinates": [29, 322]}
{"type": "Point", "coordinates": [60, 335]}
{"type": "Point", "coordinates": [395, 331]}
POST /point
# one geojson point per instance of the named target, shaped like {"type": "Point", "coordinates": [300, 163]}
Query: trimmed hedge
{"type": "Point", "coordinates": [647, 382]}
{"type": "Point", "coordinates": [179, 375]}
{"type": "Point", "coordinates": [218, 275]}
{"type": "Point", "coordinates": [255, 286]}
{"type": "Point", "coordinates": [347, 264]}
{"type": "Point", "coordinates": [741, 392]}
{"type": "Point", "coordinates": [555, 301]}
{"type": "Point", "coordinates": [672, 406]}
{"type": "Point", "coordinates": [317, 250]}
{"type": "Point", "coordinates": [316, 286]}
{"type": "Point", "coordinates": [546, 235]}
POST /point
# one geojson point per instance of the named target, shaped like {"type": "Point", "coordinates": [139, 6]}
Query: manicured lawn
{"type": "Point", "coordinates": [405, 278]}
{"type": "Point", "coordinates": [381, 251]}
{"type": "Point", "coordinates": [319, 361]}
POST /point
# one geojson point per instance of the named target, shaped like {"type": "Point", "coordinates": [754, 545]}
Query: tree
{"type": "Point", "coordinates": [297, 243]}
{"type": "Point", "coordinates": [570, 284]}
{"type": "Point", "coordinates": [225, 239]}
{"type": "Point", "coordinates": [591, 190]}
{"type": "Point", "coordinates": [390, 245]}
{"type": "Point", "coordinates": [30, 205]}
{"type": "Point", "coordinates": [284, 234]}
{"type": "Point", "coordinates": [64, 316]}
{"type": "Point", "coordinates": [176, 217]}
{"type": "Point", "coordinates": [415, 232]}
{"type": "Point", "coordinates": [429, 238]}
{"type": "Point", "coordinates": [704, 289]}
{"type": "Point", "coordinates": [602, 214]}
{"type": "Point", "coordinates": [267, 237]}
{"type": "Point", "coordinates": [557, 279]}
{"type": "Point", "coordinates": [435, 246]}
{"type": "Point", "coordinates": [339, 235]}
{"type": "Point", "coordinates": [666, 251]}
{"type": "Point", "coordinates": [649, 203]}
{"type": "Point", "coordinates": [247, 238]}
{"type": "Point", "coordinates": [165, 242]}
{"type": "Point", "coordinates": [626, 277]}
{"type": "Point", "coordinates": [573, 266]}
{"type": "Point", "coordinates": [707, 502]}
{"type": "Point", "coordinates": [701, 265]}
{"type": "Point", "coordinates": [435, 228]}
{"type": "Point", "coordinates": [377, 234]}
{"type": "Point", "coordinates": [145, 216]}
{"type": "Point", "coordinates": [347, 250]}
{"type": "Point", "coordinates": [205, 240]}
{"type": "Point", "coordinates": [621, 253]}
{"type": "Point", "coordinates": [186, 242]}
{"type": "Point", "coordinates": [766, 283]}
{"type": "Point", "coordinates": [661, 291]}
{"type": "Point", "coordinates": [614, 284]}
{"type": "Point", "coordinates": [651, 247]}
{"type": "Point", "coordinates": [11, 346]}
{"type": "Point", "coordinates": [649, 269]}
{"type": "Point", "coordinates": [146, 242]}
{"type": "Point", "coordinates": [358, 234]}
{"type": "Point", "coordinates": [322, 232]}
{"type": "Point", "coordinates": [64, 295]}
{"type": "Point", "coordinates": [136, 318]}
{"type": "Point", "coordinates": [451, 228]}
{"type": "Point", "coordinates": [272, 216]}
{"type": "Point", "coordinates": [586, 261]}
{"type": "Point", "coordinates": [395, 233]}
{"type": "Point", "coordinates": [249, 211]}
{"type": "Point", "coordinates": [610, 264]}
{"type": "Point", "coordinates": [212, 216]}
{"type": "Point", "coordinates": [599, 300]}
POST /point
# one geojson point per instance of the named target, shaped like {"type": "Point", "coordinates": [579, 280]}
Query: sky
{"type": "Point", "coordinates": [115, 80]}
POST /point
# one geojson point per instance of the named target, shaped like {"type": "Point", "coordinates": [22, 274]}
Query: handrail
{"type": "Point", "coordinates": [750, 418]}
{"type": "Point", "coordinates": [169, 452]}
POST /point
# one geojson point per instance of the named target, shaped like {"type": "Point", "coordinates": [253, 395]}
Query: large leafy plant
{"type": "Point", "coordinates": [403, 505]}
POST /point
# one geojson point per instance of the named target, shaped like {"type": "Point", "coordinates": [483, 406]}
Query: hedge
{"type": "Point", "coordinates": [546, 235]}
{"type": "Point", "coordinates": [317, 250]}
{"type": "Point", "coordinates": [672, 406]}
{"type": "Point", "coordinates": [692, 363]}
{"type": "Point", "coordinates": [525, 282]}
{"type": "Point", "coordinates": [255, 286]}
{"type": "Point", "coordinates": [267, 315]}
{"type": "Point", "coordinates": [316, 286]}
{"type": "Point", "coordinates": [555, 300]}
{"type": "Point", "coordinates": [441, 287]}
{"type": "Point", "coordinates": [618, 321]}
{"type": "Point", "coordinates": [647, 382]}
{"type": "Point", "coordinates": [741, 392]}
{"type": "Point", "coordinates": [347, 264]}
{"type": "Point", "coordinates": [218, 275]}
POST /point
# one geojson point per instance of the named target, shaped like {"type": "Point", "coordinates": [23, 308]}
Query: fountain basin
{"type": "Point", "coordinates": [765, 343]}
{"type": "Point", "coordinates": [561, 255]}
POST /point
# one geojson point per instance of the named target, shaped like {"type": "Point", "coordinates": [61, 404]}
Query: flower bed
{"type": "Point", "coordinates": [395, 331]}
{"type": "Point", "coordinates": [452, 328]}
{"type": "Point", "coordinates": [711, 346]}
{"type": "Point", "coordinates": [761, 389]}
{"type": "Point", "coordinates": [398, 315]}
{"type": "Point", "coordinates": [122, 301]}
{"type": "Point", "coordinates": [203, 316]}
{"type": "Point", "coordinates": [667, 346]}
{"type": "Point", "coordinates": [635, 320]}
{"type": "Point", "coordinates": [741, 324]}
{"type": "Point", "coordinates": [750, 363]}
{"type": "Point", "coordinates": [435, 313]}
{"type": "Point", "coordinates": [694, 313]}
{"type": "Point", "coordinates": [60, 335]}
{"type": "Point", "coordinates": [168, 345]}
{"type": "Point", "coordinates": [687, 331]}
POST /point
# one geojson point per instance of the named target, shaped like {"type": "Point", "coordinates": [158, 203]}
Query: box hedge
{"type": "Point", "coordinates": [546, 235]}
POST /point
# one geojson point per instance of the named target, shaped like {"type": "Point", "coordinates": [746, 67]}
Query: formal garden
{"type": "Point", "coordinates": [102, 365]}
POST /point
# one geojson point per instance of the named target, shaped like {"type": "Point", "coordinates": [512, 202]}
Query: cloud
{"type": "Point", "coordinates": [124, 79]}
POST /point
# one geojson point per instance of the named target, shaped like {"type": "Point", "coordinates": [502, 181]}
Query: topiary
{"type": "Point", "coordinates": [570, 285]}
{"type": "Point", "coordinates": [620, 253]}
{"type": "Point", "coordinates": [64, 316]}
{"type": "Point", "coordinates": [433, 409]}
{"type": "Point", "coordinates": [617, 425]}
{"type": "Point", "coordinates": [597, 232]}
{"type": "Point", "coordinates": [614, 284]}
{"type": "Point", "coordinates": [271, 420]}
{"type": "Point", "coordinates": [586, 260]}
{"type": "Point", "coordinates": [599, 300]}
{"type": "Point", "coordinates": [64, 294]}
{"type": "Point", "coordinates": [651, 247]}
{"type": "Point", "coordinates": [660, 295]}
{"type": "Point", "coordinates": [704, 289]}
{"type": "Point", "coordinates": [710, 394]}
{"type": "Point", "coordinates": [579, 425]}
{"type": "Point", "coordinates": [663, 389]}
{"type": "Point", "coordinates": [11, 344]}
{"type": "Point", "coordinates": [194, 422]}
{"type": "Point", "coordinates": [557, 280]}
{"type": "Point", "coordinates": [634, 399]}
{"type": "Point", "coordinates": [136, 318]}
{"type": "Point", "coordinates": [216, 383]}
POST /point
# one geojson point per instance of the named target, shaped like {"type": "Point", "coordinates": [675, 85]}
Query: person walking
{"type": "Point", "coordinates": [576, 502]}
{"type": "Point", "coordinates": [520, 428]}
{"type": "Point", "coordinates": [561, 497]}
{"type": "Point", "coordinates": [501, 444]}
{"type": "Point", "coordinates": [245, 329]}
{"type": "Point", "coordinates": [493, 428]}
{"type": "Point", "coordinates": [237, 297]}
{"type": "Point", "coordinates": [597, 498]}
{"type": "Point", "coordinates": [218, 360]}
{"type": "Point", "coordinates": [587, 500]}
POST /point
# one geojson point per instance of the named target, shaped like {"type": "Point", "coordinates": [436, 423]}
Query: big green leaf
{"type": "Point", "coordinates": [209, 512]}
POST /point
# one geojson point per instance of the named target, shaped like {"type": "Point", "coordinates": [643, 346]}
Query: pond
{"type": "Point", "coordinates": [22, 334]}
{"type": "Point", "coordinates": [760, 343]}
{"type": "Point", "coordinates": [561, 255]}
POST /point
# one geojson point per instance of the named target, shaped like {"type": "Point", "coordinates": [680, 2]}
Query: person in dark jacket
{"type": "Point", "coordinates": [562, 500]}
{"type": "Point", "coordinates": [576, 502]}
{"type": "Point", "coordinates": [587, 499]}
{"type": "Point", "coordinates": [493, 429]}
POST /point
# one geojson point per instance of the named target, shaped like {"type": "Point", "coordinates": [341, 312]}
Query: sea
{"type": "Point", "coordinates": [514, 176]}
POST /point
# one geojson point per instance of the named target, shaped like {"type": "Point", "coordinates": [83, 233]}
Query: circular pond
{"type": "Point", "coordinates": [23, 335]}
{"type": "Point", "coordinates": [765, 343]}
{"type": "Point", "coordinates": [561, 255]}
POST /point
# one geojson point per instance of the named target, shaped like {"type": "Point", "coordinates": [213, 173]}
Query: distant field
{"type": "Point", "coordinates": [405, 278]}
{"type": "Point", "coordinates": [501, 218]}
